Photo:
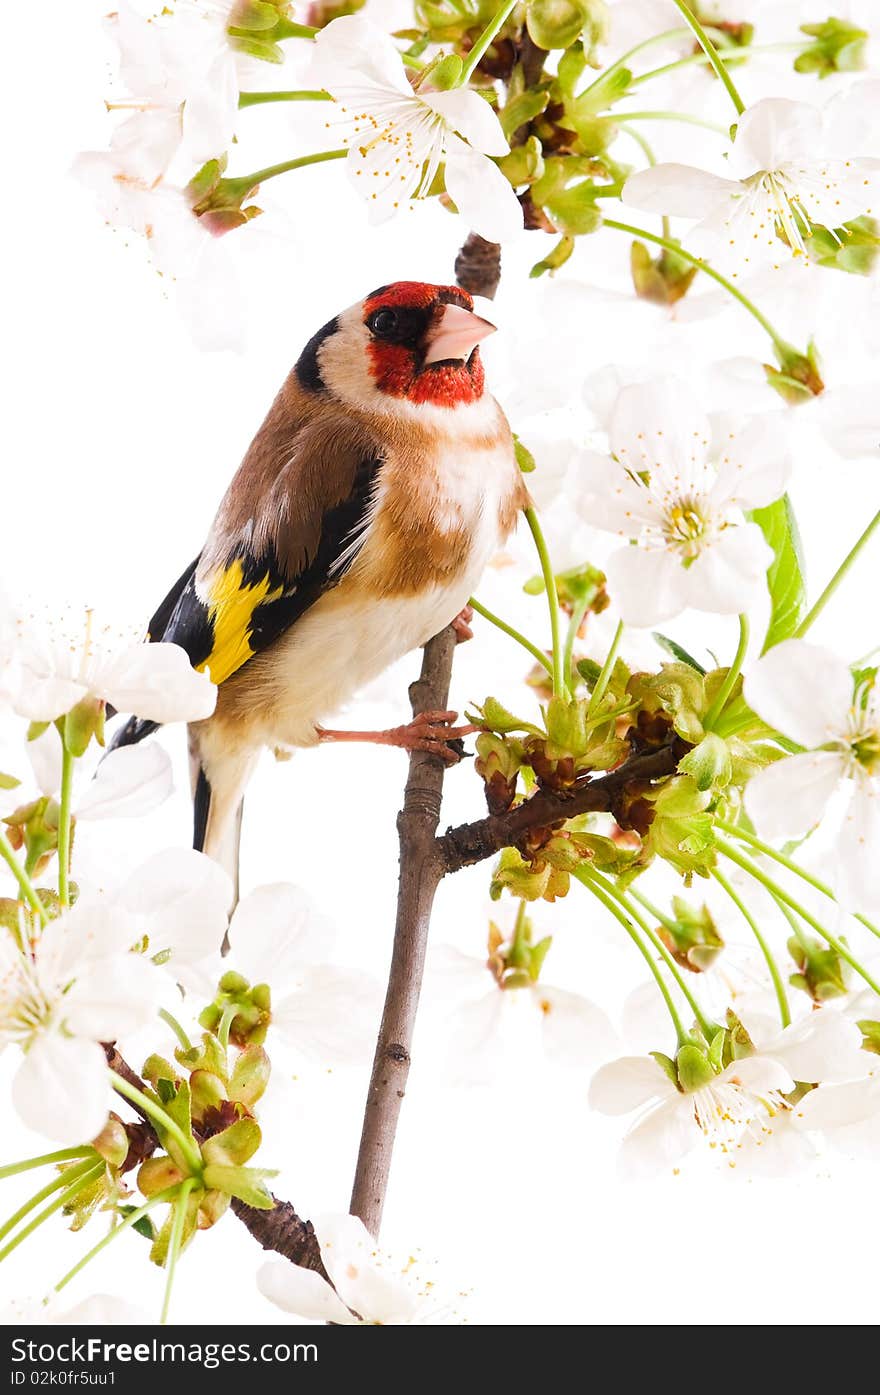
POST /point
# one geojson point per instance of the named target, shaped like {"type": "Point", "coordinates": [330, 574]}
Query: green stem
{"type": "Point", "coordinates": [160, 1117]}
{"type": "Point", "coordinates": [176, 1029]}
{"type": "Point", "coordinates": [753, 841]}
{"type": "Point", "coordinates": [684, 116]}
{"type": "Point", "coordinates": [484, 41]}
{"type": "Point", "coordinates": [502, 625]}
{"type": "Point", "coordinates": [62, 1155]}
{"type": "Point", "coordinates": [131, 1219]}
{"type": "Point", "coordinates": [560, 686]}
{"type": "Point", "coordinates": [67, 764]}
{"type": "Point", "coordinates": [730, 677]}
{"type": "Point", "coordinates": [25, 884]}
{"type": "Point", "coordinates": [586, 879]}
{"type": "Point", "coordinates": [246, 182]}
{"type": "Point", "coordinates": [607, 669]}
{"type": "Point", "coordinates": [705, 1026]}
{"type": "Point", "coordinates": [711, 53]}
{"type": "Point", "coordinates": [230, 1012]}
{"type": "Point", "coordinates": [76, 1180]}
{"type": "Point", "coordinates": [672, 246]}
{"type": "Point", "coordinates": [739, 55]}
{"type": "Point", "coordinates": [622, 61]}
{"type": "Point", "coordinates": [287, 29]}
{"type": "Point", "coordinates": [174, 1243]}
{"type": "Point", "coordinates": [775, 890]}
{"type": "Point", "coordinates": [574, 624]}
{"type": "Point", "coordinates": [64, 1180]}
{"type": "Point", "coordinates": [778, 984]}
{"type": "Point", "coordinates": [257, 99]}
{"type": "Point", "coordinates": [838, 576]}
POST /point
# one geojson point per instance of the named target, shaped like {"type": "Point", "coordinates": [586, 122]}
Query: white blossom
{"type": "Point", "coordinates": [59, 661]}
{"type": "Point", "coordinates": [326, 1014]}
{"type": "Point", "coordinates": [680, 497]}
{"type": "Point", "coordinates": [791, 168]}
{"type": "Point", "coordinates": [808, 694]}
{"type": "Point", "coordinates": [74, 985]}
{"type": "Point", "coordinates": [741, 1103]}
{"type": "Point", "coordinates": [398, 137]}
{"type": "Point", "coordinates": [366, 1287]}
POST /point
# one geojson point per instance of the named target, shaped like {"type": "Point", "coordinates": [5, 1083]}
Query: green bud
{"type": "Point", "coordinates": [798, 377]}
{"type": "Point", "coordinates": [208, 1093]}
{"type": "Point", "coordinates": [694, 1069]}
{"type": "Point", "coordinates": [112, 1142]}
{"type": "Point", "coordinates": [524, 164]}
{"type": "Point", "coordinates": [556, 23]}
{"type": "Point", "coordinates": [447, 73]}
{"type": "Point", "coordinates": [664, 279]}
{"type": "Point", "coordinates": [524, 458]}
{"type": "Point", "coordinates": [838, 47]}
{"type": "Point", "coordinates": [821, 971]}
{"type": "Point", "coordinates": [709, 763]}
{"type": "Point", "coordinates": [82, 722]}
{"type": "Point", "coordinates": [235, 1145]}
{"type": "Point", "coordinates": [870, 1035]}
{"type": "Point", "coordinates": [233, 983]}
{"type": "Point", "coordinates": [521, 110]}
{"type": "Point", "coordinates": [156, 1174]}
{"type": "Point", "coordinates": [554, 259]}
{"type": "Point", "coordinates": [250, 1076]}
{"type": "Point", "coordinates": [244, 1182]}
{"type": "Point", "coordinates": [34, 827]}
{"type": "Point", "coordinates": [852, 248]}
{"type": "Point", "coordinates": [692, 938]}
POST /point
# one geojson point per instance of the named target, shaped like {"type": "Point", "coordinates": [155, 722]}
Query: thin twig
{"type": "Point", "coordinates": [420, 872]}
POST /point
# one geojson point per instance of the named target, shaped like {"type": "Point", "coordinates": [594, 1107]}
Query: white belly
{"type": "Point", "coordinates": [337, 648]}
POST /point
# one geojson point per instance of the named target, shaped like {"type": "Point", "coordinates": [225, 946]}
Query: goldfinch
{"type": "Point", "coordinates": [360, 520]}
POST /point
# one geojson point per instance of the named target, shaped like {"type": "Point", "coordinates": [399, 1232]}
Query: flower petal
{"type": "Point", "coordinates": [130, 781]}
{"type": "Point", "coordinates": [628, 1083]}
{"type": "Point", "coordinates": [659, 1139]}
{"type": "Point", "coordinates": [275, 931]}
{"type": "Point", "coordinates": [158, 682]}
{"type": "Point", "coordinates": [857, 848]}
{"type": "Point", "coordinates": [354, 51]}
{"type": "Point", "coordinates": [680, 190]}
{"type": "Point", "coordinates": [655, 427]}
{"type": "Point", "coordinates": [789, 797]}
{"type": "Point", "coordinates": [483, 196]}
{"type": "Point", "coordinates": [803, 691]}
{"type": "Point", "coordinates": [45, 755]}
{"type": "Point", "coordinates": [113, 996]}
{"type": "Point", "coordinates": [753, 465]}
{"type": "Point", "coordinates": [302, 1292]}
{"type": "Point", "coordinates": [575, 1032]}
{"type": "Point", "coordinates": [730, 574]}
{"type": "Point", "coordinates": [184, 899]}
{"type": "Point", "coordinates": [333, 1018]}
{"type": "Point", "coordinates": [647, 585]}
{"type": "Point", "coordinates": [471, 117]}
{"type": "Point", "coordinates": [357, 1270]}
{"type": "Point", "coordinates": [61, 1089]}
{"type": "Point", "coordinates": [773, 132]}
{"type": "Point", "coordinates": [823, 1046]}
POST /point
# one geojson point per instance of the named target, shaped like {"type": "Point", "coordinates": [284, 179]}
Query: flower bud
{"type": "Point", "coordinates": [82, 722]}
{"type": "Point", "coordinates": [112, 1142]}
{"type": "Point", "coordinates": [821, 971]}
{"type": "Point", "coordinates": [798, 377]}
{"type": "Point", "coordinates": [837, 47]}
{"type": "Point", "coordinates": [693, 1068]}
{"type": "Point", "coordinates": [156, 1174]}
{"type": "Point", "coordinates": [692, 938]}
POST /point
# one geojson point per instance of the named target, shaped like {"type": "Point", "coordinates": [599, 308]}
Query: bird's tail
{"type": "Point", "coordinates": [218, 806]}
{"type": "Point", "coordinates": [132, 731]}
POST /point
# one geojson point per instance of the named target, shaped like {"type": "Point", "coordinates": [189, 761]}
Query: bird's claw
{"type": "Point", "coordinates": [462, 624]}
{"type": "Point", "coordinates": [433, 732]}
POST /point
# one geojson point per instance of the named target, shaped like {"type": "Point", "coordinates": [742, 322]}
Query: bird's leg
{"type": "Point", "coordinates": [433, 732]}
{"type": "Point", "coordinates": [462, 624]}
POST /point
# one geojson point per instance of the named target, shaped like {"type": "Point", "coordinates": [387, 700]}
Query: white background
{"type": "Point", "coordinates": [118, 439]}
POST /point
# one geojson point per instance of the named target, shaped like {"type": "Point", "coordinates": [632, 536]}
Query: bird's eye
{"type": "Point", "coordinates": [383, 323]}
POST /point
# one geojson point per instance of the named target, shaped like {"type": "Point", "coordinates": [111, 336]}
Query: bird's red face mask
{"type": "Point", "coordinates": [423, 343]}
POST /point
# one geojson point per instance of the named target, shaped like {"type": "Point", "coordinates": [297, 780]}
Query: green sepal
{"type": "Point", "coordinates": [246, 1183]}
{"type": "Point", "coordinates": [694, 1068]}
{"type": "Point", "coordinates": [233, 1147]}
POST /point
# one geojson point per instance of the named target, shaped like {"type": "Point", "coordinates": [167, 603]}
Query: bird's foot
{"type": "Point", "coordinates": [433, 732]}
{"type": "Point", "coordinates": [462, 624]}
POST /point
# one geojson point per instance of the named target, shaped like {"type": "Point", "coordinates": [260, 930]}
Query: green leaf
{"type": "Point", "coordinates": [676, 650]}
{"type": "Point", "coordinates": [785, 576]}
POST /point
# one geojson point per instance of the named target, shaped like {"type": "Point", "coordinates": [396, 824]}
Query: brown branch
{"type": "Point", "coordinates": [280, 1229]}
{"type": "Point", "coordinates": [420, 872]}
{"type": "Point", "coordinates": [473, 842]}
{"type": "Point", "coordinates": [478, 266]}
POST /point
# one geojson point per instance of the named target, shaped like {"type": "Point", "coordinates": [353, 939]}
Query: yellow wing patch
{"type": "Point", "coordinates": [231, 604]}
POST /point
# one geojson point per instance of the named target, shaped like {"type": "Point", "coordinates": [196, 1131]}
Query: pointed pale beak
{"type": "Point", "coordinates": [457, 334]}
